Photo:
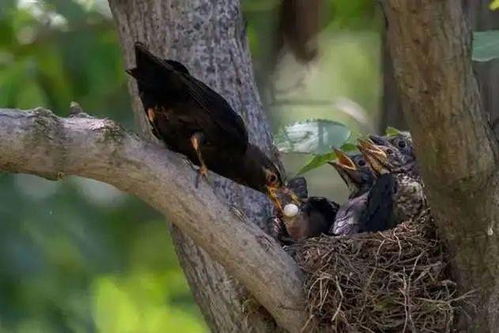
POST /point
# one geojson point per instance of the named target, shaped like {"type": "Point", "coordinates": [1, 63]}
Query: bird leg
{"type": "Point", "coordinates": [196, 140]}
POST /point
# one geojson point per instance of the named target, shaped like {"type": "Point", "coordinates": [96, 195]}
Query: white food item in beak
{"type": "Point", "coordinates": [290, 210]}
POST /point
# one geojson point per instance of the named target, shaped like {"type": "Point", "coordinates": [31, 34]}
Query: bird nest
{"type": "Point", "coordinates": [393, 281]}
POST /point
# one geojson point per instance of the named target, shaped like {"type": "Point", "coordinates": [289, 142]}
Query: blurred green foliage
{"type": "Point", "coordinates": [342, 84]}
{"type": "Point", "coordinates": [78, 255]}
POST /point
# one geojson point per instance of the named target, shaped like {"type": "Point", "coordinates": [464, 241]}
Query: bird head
{"type": "Point", "coordinates": [354, 171]}
{"type": "Point", "coordinates": [272, 176]}
{"type": "Point", "coordinates": [261, 174]}
{"type": "Point", "coordinates": [382, 156]}
{"type": "Point", "coordinates": [278, 192]}
{"type": "Point", "coordinates": [403, 142]}
{"type": "Point", "coordinates": [299, 186]}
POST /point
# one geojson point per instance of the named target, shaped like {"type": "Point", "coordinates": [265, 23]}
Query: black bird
{"type": "Point", "coordinates": [299, 186]}
{"type": "Point", "coordinates": [194, 120]}
{"type": "Point", "coordinates": [369, 206]}
{"type": "Point", "coordinates": [407, 193]}
{"type": "Point", "coordinates": [313, 218]}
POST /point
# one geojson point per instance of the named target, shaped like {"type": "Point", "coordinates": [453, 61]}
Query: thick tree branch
{"type": "Point", "coordinates": [430, 43]}
{"type": "Point", "coordinates": [38, 142]}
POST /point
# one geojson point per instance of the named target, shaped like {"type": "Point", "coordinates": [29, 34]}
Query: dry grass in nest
{"type": "Point", "coordinates": [395, 281]}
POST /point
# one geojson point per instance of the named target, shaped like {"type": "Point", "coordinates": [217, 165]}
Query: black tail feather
{"type": "Point", "coordinates": [155, 74]}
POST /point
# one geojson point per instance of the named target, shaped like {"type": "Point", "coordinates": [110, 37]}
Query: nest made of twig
{"type": "Point", "coordinates": [392, 281]}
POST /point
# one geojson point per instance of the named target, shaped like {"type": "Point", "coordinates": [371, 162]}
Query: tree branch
{"type": "Point", "coordinates": [40, 143]}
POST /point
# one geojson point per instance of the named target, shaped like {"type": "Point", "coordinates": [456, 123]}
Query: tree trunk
{"type": "Point", "coordinates": [487, 73]}
{"type": "Point", "coordinates": [210, 38]}
{"type": "Point", "coordinates": [430, 43]}
{"type": "Point", "coordinates": [391, 109]}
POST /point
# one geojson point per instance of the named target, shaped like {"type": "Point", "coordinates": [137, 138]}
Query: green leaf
{"type": "Point", "coordinates": [390, 131]}
{"type": "Point", "coordinates": [316, 161]}
{"type": "Point", "coordinates": [316, 137]}
{"type": "Point", "coordinates": [485, 45]}
{"type": "Point", "coordinates": [349, 147]}
{"type": "Point", "coordinates": [319, 160]}
{"type": "Point", "coordinates": [494, 5]}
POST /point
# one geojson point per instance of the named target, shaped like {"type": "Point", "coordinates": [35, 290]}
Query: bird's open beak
{"type": "Point", "coordinates": [273, 195]}
{"type": "Point", "coordinates": [346, 169]}
{"type": "Point", "coordinates": [343, 161]}
{"type": "Point", "coordinates": [376, 157]}
{"type": "Point", "coordinates": [371, 149]}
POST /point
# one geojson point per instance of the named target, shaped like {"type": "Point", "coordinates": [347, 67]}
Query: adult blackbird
{"type": "Point", "coordinates": [369, 206]}
{"type": "Point", "coordinates": [407, 193]}
{"type": "Point", "coordinates": [194, 120]}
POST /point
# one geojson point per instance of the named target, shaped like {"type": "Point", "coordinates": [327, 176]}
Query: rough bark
{"type": "Point", "coordinates": [209, 37]}
{"type": "Point", "coordinates": [391, 109]}
{"type": "Point", "coordinates": [430, 43]}
{"type": "Point", "coordinates": [487, 73]}
{"type": "Point", "coordinates": [40, 143]}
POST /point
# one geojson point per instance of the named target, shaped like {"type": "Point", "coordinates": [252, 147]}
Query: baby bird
{"type": "Point", "coordinates": [369, 203]}
{"type": "Point", "coordinates": [407, 192]}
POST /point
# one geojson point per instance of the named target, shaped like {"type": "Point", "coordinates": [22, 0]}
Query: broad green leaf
{"type": "Point", "coordinates": [319, 160]}
{"type": "Point", "coordinates": [316, 161]}
{"type": "Point", "coordinates": [349, 147]}
{"type": "Point", "coordinates": [485, 45]}
{"type": "Point", "coordinates": [494, 5]}
{"type": "Point", "coordinates": [316, 137]}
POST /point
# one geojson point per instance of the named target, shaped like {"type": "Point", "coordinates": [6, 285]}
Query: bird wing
{"type": "Point", "coordinates": [347, 221]}
{"type": "Point", "coordinates": [161, 80]}
{"type": "Point", "coordinates": [378, 214]}
{"type": "Point", "coordinates": [328, 208]}
{"type": "Point", "coordinates": [219, 110]}
{"type": "Point", "coordinates": [321, 214]}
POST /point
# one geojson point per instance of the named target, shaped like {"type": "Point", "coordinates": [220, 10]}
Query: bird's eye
{"type": "Point", "coordinates": [272, 179]}
{"type": "Point", "coordinates": [361, 162]}
{"type": "Point", "coordinates": [401, 144]}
